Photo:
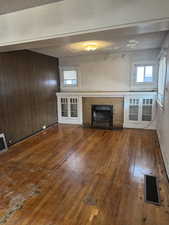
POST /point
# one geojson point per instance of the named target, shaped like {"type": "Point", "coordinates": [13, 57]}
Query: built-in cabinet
{"type": "Point", "coordinates": [139, 108]}
{"type": "Point", "coordinates": [70, 109]}
{"type": "Point", "coordinates": [139, 111]}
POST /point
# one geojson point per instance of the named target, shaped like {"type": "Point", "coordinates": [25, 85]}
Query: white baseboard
{"type": "Point", "coordinates": [142, 125]}
{"type": "Point", "coordinates": [70, 122]}
{"type": "Point", "coordinates": [166, 161]}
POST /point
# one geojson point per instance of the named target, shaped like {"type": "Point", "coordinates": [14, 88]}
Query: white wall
{"type": "Point", "coordinates": [109, 72]}
{"type": "Point", "coordinates": [77, 16]}
{"type": "Point", "coordinates": [163, 116]}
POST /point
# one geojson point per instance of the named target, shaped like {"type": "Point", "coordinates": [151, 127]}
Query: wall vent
{"type": "Point", "coordinates": [151, 189]}
{"type": "Point", "coordinates": [3, 145]}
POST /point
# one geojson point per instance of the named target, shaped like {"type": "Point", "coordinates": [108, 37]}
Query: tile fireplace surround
{"type": "Point", "coordinates": [118, 109]}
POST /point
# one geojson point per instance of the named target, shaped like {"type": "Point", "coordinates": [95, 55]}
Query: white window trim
{"type": "Point", "coordinates": [143, 85]}
{"type": "Point", "coordinates": [66, 68]}
{"type": "Point", "coordinates": [144, 65]}
{"type": "Point", "coordinates": [161, 104]}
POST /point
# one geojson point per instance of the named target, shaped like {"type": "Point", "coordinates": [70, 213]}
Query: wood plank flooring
{"type": "Point", "coordinates": [68, 175]}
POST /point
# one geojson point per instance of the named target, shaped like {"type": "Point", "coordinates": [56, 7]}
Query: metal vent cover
{"type": "Point", "coordinates": [3, 144]}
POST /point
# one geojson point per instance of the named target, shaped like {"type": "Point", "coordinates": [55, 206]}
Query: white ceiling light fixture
{"type": "Point", "coordinates": [90, 46]}
{"type": "Point", "coordinates": [132, 44]}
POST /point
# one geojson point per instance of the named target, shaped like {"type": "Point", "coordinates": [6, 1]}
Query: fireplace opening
{"type": "Point", "coordinates": [102, 116]}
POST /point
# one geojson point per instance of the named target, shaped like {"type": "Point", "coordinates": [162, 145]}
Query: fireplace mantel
{"type": "Point", "coordinates": [106, 94]}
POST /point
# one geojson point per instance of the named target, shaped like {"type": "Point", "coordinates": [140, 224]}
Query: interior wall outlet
{"type": "Point", "coordinates": [44, 127]}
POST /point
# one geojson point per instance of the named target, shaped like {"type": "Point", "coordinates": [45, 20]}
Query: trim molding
{"type": "Point", "coordinates": [163, 155]}
{"type": "Point", "coordinates": [142, 125]}
{"type": "Point", "coordinates": [105, 94]}
{"type": "Point", "coordinates": [32, 134]}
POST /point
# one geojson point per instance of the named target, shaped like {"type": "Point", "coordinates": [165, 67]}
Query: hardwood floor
{"type": "Point", "coordinates": [68, 175]}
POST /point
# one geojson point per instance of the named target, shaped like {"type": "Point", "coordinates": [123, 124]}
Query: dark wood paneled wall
{"type": "Point", "coordinates": [28, 85]}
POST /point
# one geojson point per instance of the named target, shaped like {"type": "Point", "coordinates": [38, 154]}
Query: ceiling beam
{"type": "Point", "coordinates": [9, 6]}
{"type": "Point", "coordinates": [68, 18]}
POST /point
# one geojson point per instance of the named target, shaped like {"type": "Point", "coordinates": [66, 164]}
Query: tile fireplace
{"type": "Point", "coordinates": [102, 116]}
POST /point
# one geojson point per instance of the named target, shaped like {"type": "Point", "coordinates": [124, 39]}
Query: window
{"type": "Point", "coordinates": [70, 78]}
{"type": "Point", "coordinates": [161, 79]}
{"type": "Point", "coordinates": [144, 73]}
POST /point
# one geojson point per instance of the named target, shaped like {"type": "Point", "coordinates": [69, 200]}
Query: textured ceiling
{"type": "Point", "coordinates": [8, 6]}
{"type": "Point", "coordinates": [114, 42]}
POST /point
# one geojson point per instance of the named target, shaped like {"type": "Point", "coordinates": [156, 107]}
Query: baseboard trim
{"type": "Point", "coordinates": [163, 156]}
{"type": "Point", "coordinates": [141, 125]}
{"type": "Point", "coordinates": [32, 134]}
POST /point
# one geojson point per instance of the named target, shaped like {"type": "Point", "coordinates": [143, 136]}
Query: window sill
{"type": "Point", "coordinates": [144, 83]}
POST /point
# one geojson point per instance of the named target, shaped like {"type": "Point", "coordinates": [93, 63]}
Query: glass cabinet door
{"type": "Point", "coordinates": [73, 107]}
{"type": "Point", "coordinates": [69, 109]}
{"type": "Point", "coordinates": [134, 109]}
{"type": "Point", "coordinates": [147, 109]}
{"type": "Point", "coordinates": [64, 107]}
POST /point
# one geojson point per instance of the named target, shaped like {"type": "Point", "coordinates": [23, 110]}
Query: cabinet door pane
{"type": "Point", "coordinates": [134, 109]}
{"type": "Point", "coordinates": [64, 107]}
{"type": "Point", "coordinates": [147, 110]}
{"type": "Point", "coordinates": [73, 107]}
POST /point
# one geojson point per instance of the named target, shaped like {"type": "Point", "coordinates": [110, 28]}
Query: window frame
{"type": "Point", "coordinates": [144, 65]}
{"type": "Point", "coordinates": [71, 84]}
{"type": "Point", "coordinates": [144, 86]}
{"type": "Point", "coordinates": [161, 103]}
{"type": "Point", "coordinates": [69, 68]}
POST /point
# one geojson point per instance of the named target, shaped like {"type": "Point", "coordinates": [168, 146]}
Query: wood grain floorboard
{"type": "Point", "coordinates": [68, 175]}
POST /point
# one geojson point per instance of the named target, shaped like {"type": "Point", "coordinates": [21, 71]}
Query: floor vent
{"type": "Point", "coordinates": [151, 190]}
